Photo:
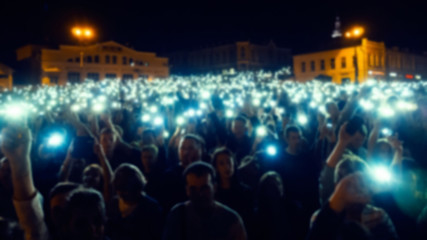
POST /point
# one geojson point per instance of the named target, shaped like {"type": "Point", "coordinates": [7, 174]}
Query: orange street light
{"type": "Point", "coordinates": [355, 32]}
{"type": "Point", "coordinates": [82, 33]}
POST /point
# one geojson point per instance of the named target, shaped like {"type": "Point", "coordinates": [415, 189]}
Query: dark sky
{"type": "Point", "coordinates": [163, 27]}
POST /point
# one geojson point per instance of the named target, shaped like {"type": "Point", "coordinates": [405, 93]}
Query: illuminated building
{"type": "Point", "coordinates": [6, 79]}
{"type": "Point", "coordinates": [374, 61]}
{"type": "Point", "coordinates": [338, 65]}
{"type": "Point", "coordinates": [238, 56]}
{"type": "Point", "coordinates": [108, 60]}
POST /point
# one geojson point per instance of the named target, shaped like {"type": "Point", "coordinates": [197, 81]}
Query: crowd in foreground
{"type": "Point", "coordinates": [246, 156]}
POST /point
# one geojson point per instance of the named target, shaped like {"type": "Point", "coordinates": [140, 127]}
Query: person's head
{"type": "Point", "coordinates": [223, 162]}
{"type": "Point", "coordinates": [149, 155]}
{"type": "Point", "coordinates": [190, 149]}
{"type": "Point", "coordinates": [332, 109]}
{"type": "Point", "coordinates": [349, 164]}
{"type": "Point", "coordinates": [359, 138]}
{"type": "Point", "coordinates": [92, 176]}
{"type": "Point", "coordinates": [129, 182]}
{"type": "Point", "coordinates": [200, 187]}
{"type": "Point", "coordinates": [148, 137]}
{"type": "Point", "coordinates": [293, 136]}
{"type": "Point", "coordinates": [57, 200]}
{"type": "Point", "coordinates": [270, 188]}
{"type": "Point", "coordinates": [86, 215]}
{"type": "Point", "coordinates": [108, 140]}
{"type": "Point", "coordinates": [239, 126]}
{"type": "Point", "coordinates": [382, 152]}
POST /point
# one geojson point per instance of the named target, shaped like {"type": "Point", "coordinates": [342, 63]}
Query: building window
{"type": "Point", "coordinates": [343, 63]}
{"type": "Point", "coordinates": [110, 76]}
{"type": "Point", "coordinates": [93, 76]}
{"type": "Point", "coordinates": [332, 63]}
{"type": "Point", "coordinates": [127, 77]}
{"type": "Point", "coordinates": [125, 60]}
{"type": "Point", "coordinates": [147, 64]}
{"type": "Point", "coordinates": [54, 79]}
{"type": "Point", "coordinates": [322, 64]}
{"type": "Point", "coordinates": [114, 59]}
{"type": "Point", "coordinates": [89, 59]}
{"type": "Point", "coordinates": [70, 60]}
{"type": "Point", "coordinates": [107, 59]}
{"type": "Point", "coordinates": [313, 66]}
{"type": "Point", "coordinates": [77, 59]}
{"type": "Point", "coordinates": [242, 52]}
{"type": "Point", "coordinates": [96, 59]}
{"type": "Point", "coordinates": [303, 67]}
{"type": "Point", "coordinates": [131, 62]}
{"type": "Point", "coordinates": [73, 77]}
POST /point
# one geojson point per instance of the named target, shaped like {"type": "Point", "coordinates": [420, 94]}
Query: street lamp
{"type": "Point", "coordinates": [355, 33]}
{"type": "Point", "coordinates": [83, 34]}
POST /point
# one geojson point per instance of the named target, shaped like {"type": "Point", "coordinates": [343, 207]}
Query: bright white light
{"type": "Point", "coordinates": [146, 118]}
{"type": "Point", "coordinates": [313, 104]}
{"type": "Point", "coordinates": [206, 95]}
{"type": "Point", "coordinates": [387, 132]}
{"type": "Point", "coordinates": [153, 109]}
{"type": "Point", "coordinates": [102, 98]}
{"type": "Point", "coordinates": [256, 102]}
{"type": "Point", "coordinates": [367, 105]}
{"type": "Point", "coordinates": [418, 77]}
{"type": "Point", "coordinates": [75, 108]}
{"type": "Point", "coordinates": [191, 112]}
{"type": "Point", "coordinates": [158, 121]}
{"type": "Point", "coordinates": [273, 103]}
{"type": "Point", "coordinates": [393, 74]}
{"type": "Point", "coordinates": [203, 105]}
{"type": "Point", "coordinates": [98, 107]}
{"type": "Point", "coordinates": [229, 113]}
{"type": "Point", "coordinates": [55, 140]}
{"type": "Point", "coordinates": [271, 150]}
{"type": "Point", "coordinates": [381, 174]}
{"type": "Point", "coordinates": [180, 121]}
{"type": "Point", "coordinates": [386, 112]}
{"type": "Point", "coordinates": [302, 119]}
{"type": "Point", "coordinates": [261, 131]}
{"type": "Point", "coordinates": [165, 134]}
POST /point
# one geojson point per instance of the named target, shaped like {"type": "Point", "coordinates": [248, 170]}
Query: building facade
{"type": "Point", "coordinates": [108, 60]}
{"type": "Point", "coordinates": [368, 60]}
{"type": "Point", "coordinates": [239, 56]}
{"type": "Point", "coordinates": [6, 77]}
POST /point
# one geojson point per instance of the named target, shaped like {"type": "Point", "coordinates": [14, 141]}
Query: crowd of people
{"type": "Point", "coordinates": [244, 156]}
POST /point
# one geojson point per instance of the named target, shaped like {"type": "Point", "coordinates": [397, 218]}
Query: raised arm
{"type": "Point", "coordinates": [16, 146]}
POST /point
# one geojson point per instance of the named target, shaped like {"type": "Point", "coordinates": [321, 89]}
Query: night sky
{"type": "Point", "coordinates": [165, 27]}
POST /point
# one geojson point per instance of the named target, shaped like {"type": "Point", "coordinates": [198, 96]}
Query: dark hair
{"type": "Point", "coordinates": [86, 199]}
{"type": "Point", "coordinates": [128, 177]}
{"type": "Point", "coordinates": [292, 128]}
{"type": "Point", "coordinates": [146, 134]}
{"type": "Point", "coordinates": [150, 147]}
{"type": "Point", "coordinates": [199, 140]}
{"type": "Point", "coordinates": [199, 169]}
{"type": "Point", "coordinates": [219, 151]}
{"type": "Point", "coordinates": [106, 130]}
{"type": "Point", "coordinates": [242, 119]}
{"type": "Point", "coordinates": [63, 187]}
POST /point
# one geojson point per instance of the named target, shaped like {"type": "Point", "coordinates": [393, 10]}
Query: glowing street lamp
{"type": "Point", "coordinates": [356, 32]}
{"type": "Point", "coordinates": [82, 34]}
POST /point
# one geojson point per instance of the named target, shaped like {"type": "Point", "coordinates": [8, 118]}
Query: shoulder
{"type": "Point", "coordinates": [226, 212]}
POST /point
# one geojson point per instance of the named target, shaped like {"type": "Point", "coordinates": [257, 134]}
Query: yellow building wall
{"type": "Point", "coordinates": [55, 63]}
{"type": "Point", "coordinates": [6, 77]}
{"type": "Point", "coordinates": [366, 69]}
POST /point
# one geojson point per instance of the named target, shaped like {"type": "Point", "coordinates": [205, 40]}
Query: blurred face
{"type": "Point", "coordinates": [86, 225]}
{"type": "Point", "coordinates": [200, 190]}
{"type": "Point", "coordinates": [357, 141]}
{"type": "Point", "coordinates": [148, 159]}
{"type": "Point", "coordinates": [294, 140]}
{"type": "Point", "coordinates": [57, 206]}
{"type": "Point", "coordinates": [189, 151]}
{"type": "Point", "coordinates": [92, 177]}
{"type": "Point", "coordinates": [108, 142]}
{"type": "Point", "coordinates": [238, 129]}
{"type": "Point", "coordinates": [224, 166]}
